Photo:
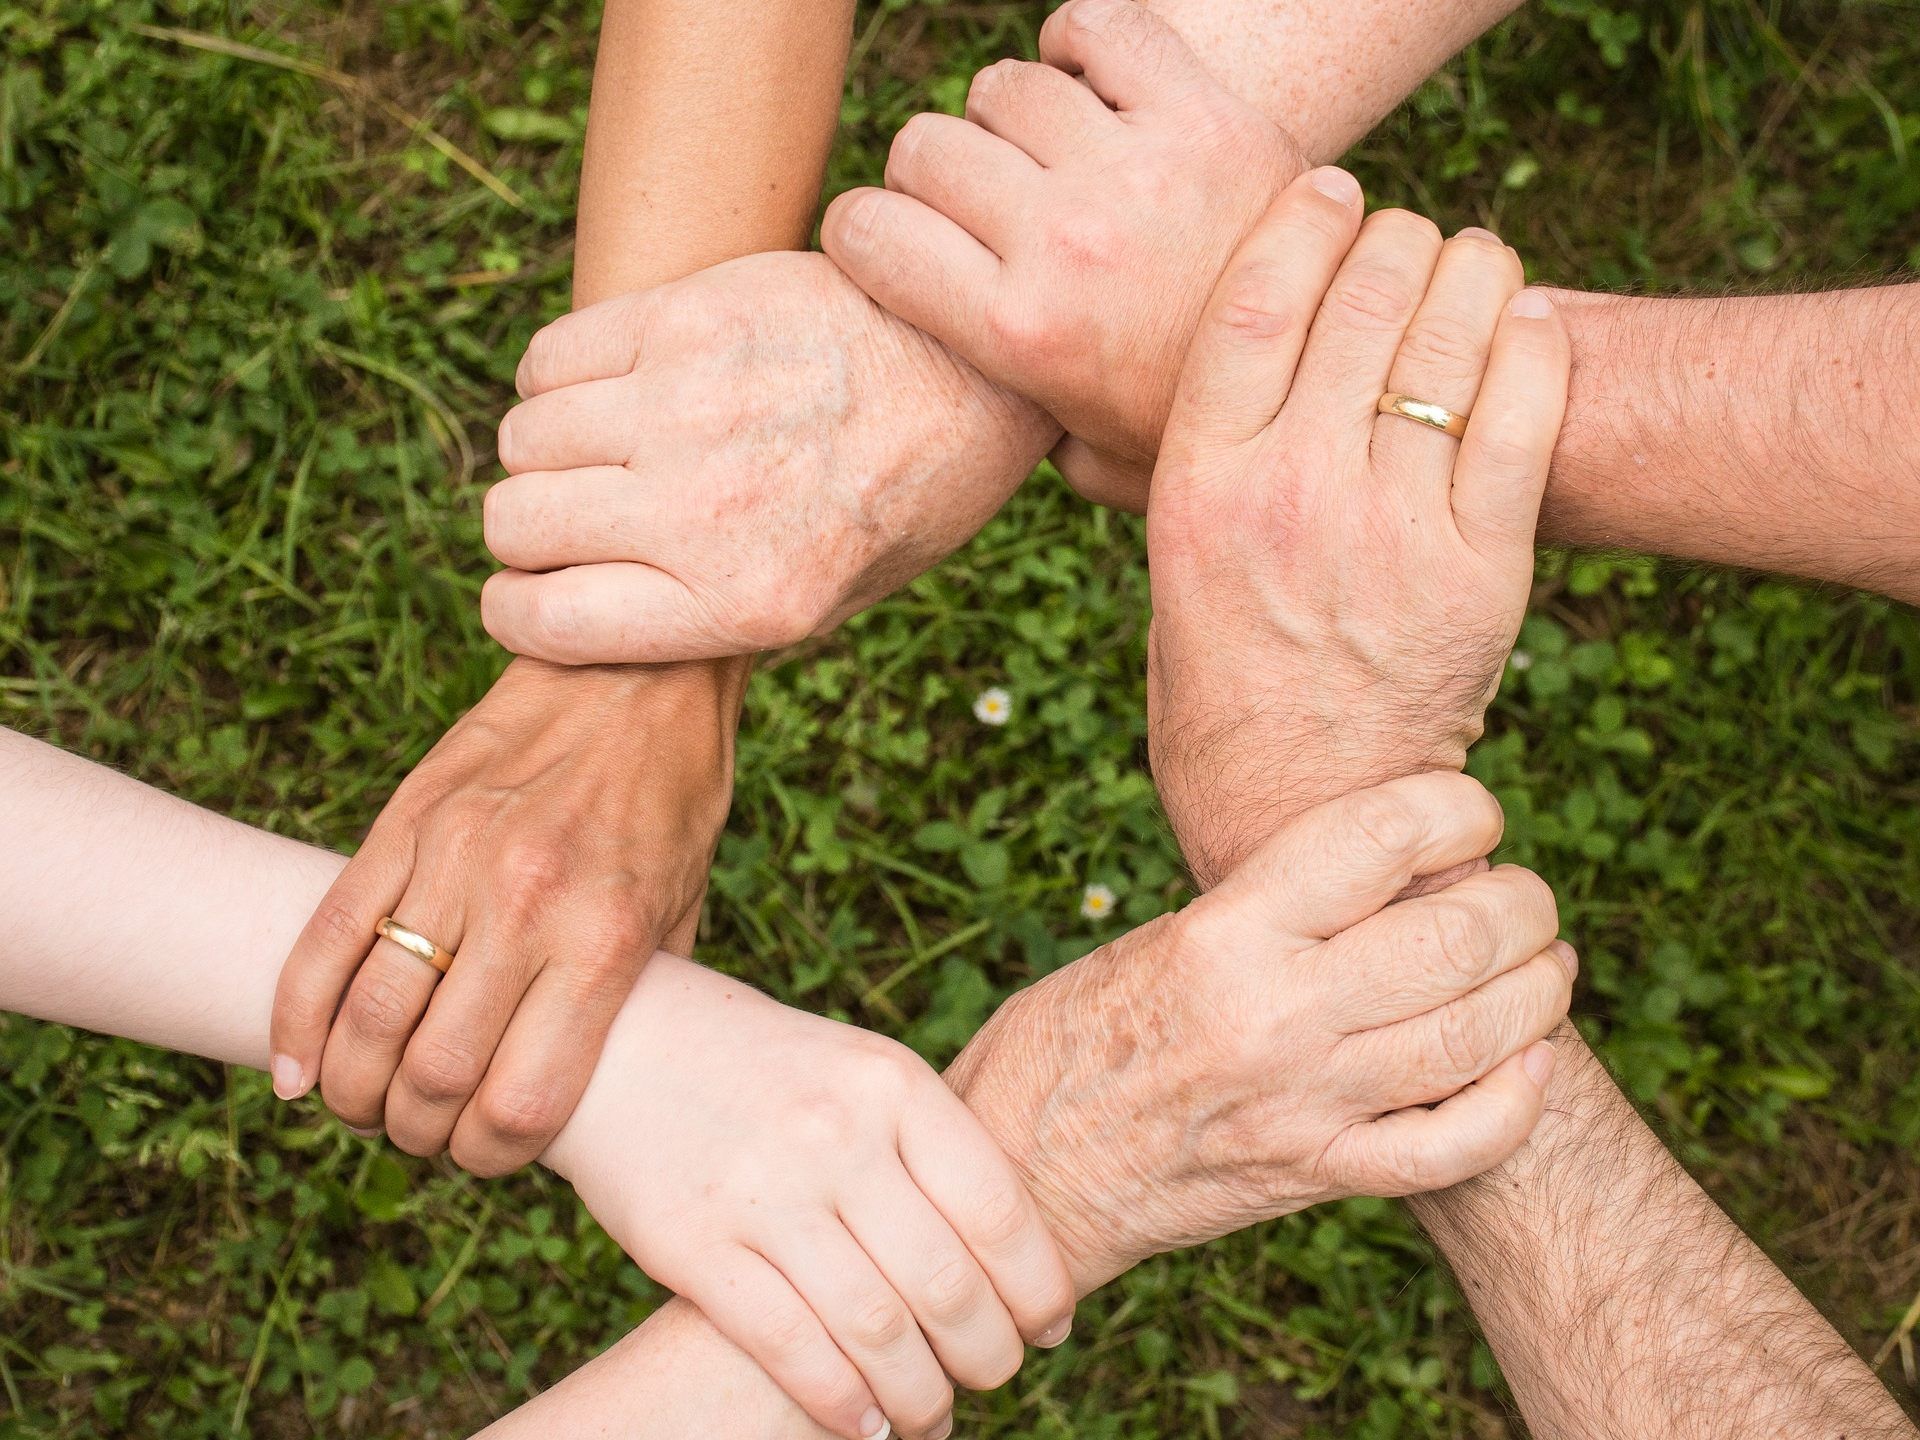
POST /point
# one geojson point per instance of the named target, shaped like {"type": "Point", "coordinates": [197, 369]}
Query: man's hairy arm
{"type": "Point", "coordinates": [1765, 432]}
{"type": "Point", "coordinates": [1623, 1303]}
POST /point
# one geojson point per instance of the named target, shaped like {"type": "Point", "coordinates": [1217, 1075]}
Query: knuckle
{"type": "Point", "coordinates": [1458, 938]}
{"type": "Point", "coordinates": [1504, 451]}
{"type": "Point", "coordinates": [379, 1006]}
{"type": "Point", "coordinates": [535, 371]}
{"type": "Point", "coordinates": [1444, 344]}
{"type": "Point", "coordinates": [1385, 824]}
{"type": "Point", "coordinates": [953, 1291]}
{"type": "Point", "coordinates": [1000, 1216]}
{"type": "Point", "coordinates": [530, 867]}
{"type": "Point", "coordinates": [1459, 1040]}
{"type": "Point", "coordinates": [555, 616]}
{"type": "Point", "coordinates": [992, 80]}
{"type": "Point", "coordinates": [1084, 238]}
{"type": "Point", "coordinates": [1255, 302]}
{"type": "Point", "coordinates": [1111, 21]}
{"type": "Point", "coordinates": [1372, 296]}
{"type": "Point", "coordinates": [442, 1071]}
{"type": "Point", "coordinates": [879, 1322]}
{"type": "Point", "coordinates": [912, 144]}
{"type": "Point", "coordinates": [338, 925]}
{"type": "Point", "coordinates": [1023, 330]}
{"type": "Point", "coordinates": [521, 1113]}
{"type": "Point", "coordinates": [787, 1333]}
{"type": "Point", "coordinates": [859, 222]}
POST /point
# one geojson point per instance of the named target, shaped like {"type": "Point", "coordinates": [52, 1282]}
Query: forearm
{"type": "Point", "coordinates": [1327, 71]}
{"type": "Point", "coordinates": [707, 136]}
{"type": "Point", "coordinates": [1624, 1305]}
{"type": "Point", "coordinates": [1767, 432]}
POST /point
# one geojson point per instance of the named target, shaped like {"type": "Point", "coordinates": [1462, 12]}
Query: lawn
{"type": "Point", "coordinates": [269, 268]}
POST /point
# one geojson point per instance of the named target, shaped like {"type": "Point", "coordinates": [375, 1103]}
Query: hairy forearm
{"type": "Point", "coordinates": [1767, 432]}
{"type": "Point", "coordinates": [1624, 1305]}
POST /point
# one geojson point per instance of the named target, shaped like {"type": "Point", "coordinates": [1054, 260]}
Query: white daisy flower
{"type": "Point", "coordinates": [993, 707]}
{"type": "Point", "coordinates": [1096, 902]}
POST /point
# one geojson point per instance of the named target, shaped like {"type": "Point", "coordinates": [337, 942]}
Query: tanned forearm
{"type": "Point", "coordinates": [1624, 1305]}
{"type": "Point", "coordinates": [707, 137]}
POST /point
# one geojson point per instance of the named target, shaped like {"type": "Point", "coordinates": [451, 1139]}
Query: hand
{"type": "Point", "coordinates": [550, 841]}
{"type": "Point", "coordinates": [1065, 235]}
{"type": "Point", "coordinates": [1336, 591]}
{"type": "Point", "coordinates": [834, 1209]}
{"type": "Point", "coordinates": [1274, 1045]}
{"type": "Point", "coordinates": [733, 463]}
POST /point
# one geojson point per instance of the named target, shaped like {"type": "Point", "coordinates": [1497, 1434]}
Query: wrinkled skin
{"type": "Point", "coordinates": [1065, 235]}
{"type": "Point", "coordinates": [736, 462]}
{"type": "Point", "coordinates": [1271, 1046]}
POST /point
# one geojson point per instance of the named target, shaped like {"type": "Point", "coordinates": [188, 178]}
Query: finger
{"type": "Point", "coordinates": [1502, 470]}
{"type": "Point", "coordinates": [1444, 357]}
{"type": "Point", "coordinates": [447, 1056]}
{"type": "Point", "coordinates": [1429, 951]}
{"type": "Point", "coordinates": [1424, 1060]}
{"type": "Point", "coordinates": [549, 519]}
{"type": "Point", "coordinates": [1244, 354]}
{"type": "Point", "coordinates": [871, 1324]}
{"type": "Point", "coordinates": [754, 1306]}
{"type": "Point", "coordinates": [977, 180]}
{"type": "Point", "coordinates": [1334, 865]}
{"type": "Point", "coordinates": [969, 1180]}
{"type": "Point", "coordinates": [603, 615]}
{"type": "Point", "coordinates": [1102, 479]}
{"type": "Point", "coordinates": [933, 1271]}
{"type": "Point", "coordinates": [331, 947]}
{"type": "Point", "coordinates": [385, 1002]}
{"type": "Point", "coordinates": [1412, 1151]}
{"type": "Point", "coordinates": [915, 262]}
{"type": "Point", "coordinates": [600, 342]}
{"type": "Point", "coordinates": [1362, 322]}
{"type": "Point", "coordinates": [549, 1051]}
{"type": "Point", "coordinates": [1132, 59]}
{"type": "Point", "coordinates": [1041, 110]}
{"type": "Point", "coordinates": [562, 429]}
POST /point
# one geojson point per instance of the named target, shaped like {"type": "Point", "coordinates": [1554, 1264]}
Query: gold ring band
{"type": "Point", "coordinates": [414, 943]}
{"type": "Point", "coordinates": [1424, 412]}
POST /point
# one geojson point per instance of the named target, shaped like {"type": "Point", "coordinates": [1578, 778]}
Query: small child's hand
{"type": "Point", "coordinates": [820, 1194]}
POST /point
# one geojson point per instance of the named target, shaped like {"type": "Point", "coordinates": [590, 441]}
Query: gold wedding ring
{"type": "Point", "coordinates": [414, 943]}
{"type": "Point", "coordinates": [1424, 412]}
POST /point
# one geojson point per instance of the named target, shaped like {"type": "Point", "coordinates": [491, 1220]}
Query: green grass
{"type": "Point", "coordinates": [253, 335]}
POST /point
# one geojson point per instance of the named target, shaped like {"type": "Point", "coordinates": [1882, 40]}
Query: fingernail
{"type": "Point", "coordinates": [1539, 1062]}
{"type": "Point", "coordinates": [1474, 232]}
{"type": "Point", "coordinates": [372, 1134]}
{"type": "Point", "coordinates": [1531, 305]}
{"type": "Point", "coordinates": [1336, 184]}
{"type": "Point", "coordinates": [942, 1430]}
{"type": "Point", "coordinates": [289, 1078]}
{"type": "Point", "coordinates": [1055, 1334]}
{"type": "Point", "coordinates": [874, 1426]}
{"type": "Point", "coordinates": [1567, 956]}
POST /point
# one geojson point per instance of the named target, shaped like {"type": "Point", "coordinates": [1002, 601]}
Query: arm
{"type": "Point", "coordinates": [1381, 570]}
{"type": "Point", "coordinates": [892, 450]}
{"type": "Point", "coordinates": [1623, 1304]}
{"type": "Point", "coordinates": [572, 813]}
{"type": "Point", "coordinates": [1744, 432]}
{"type": "Point", "coordinates": [1287, 1038]}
